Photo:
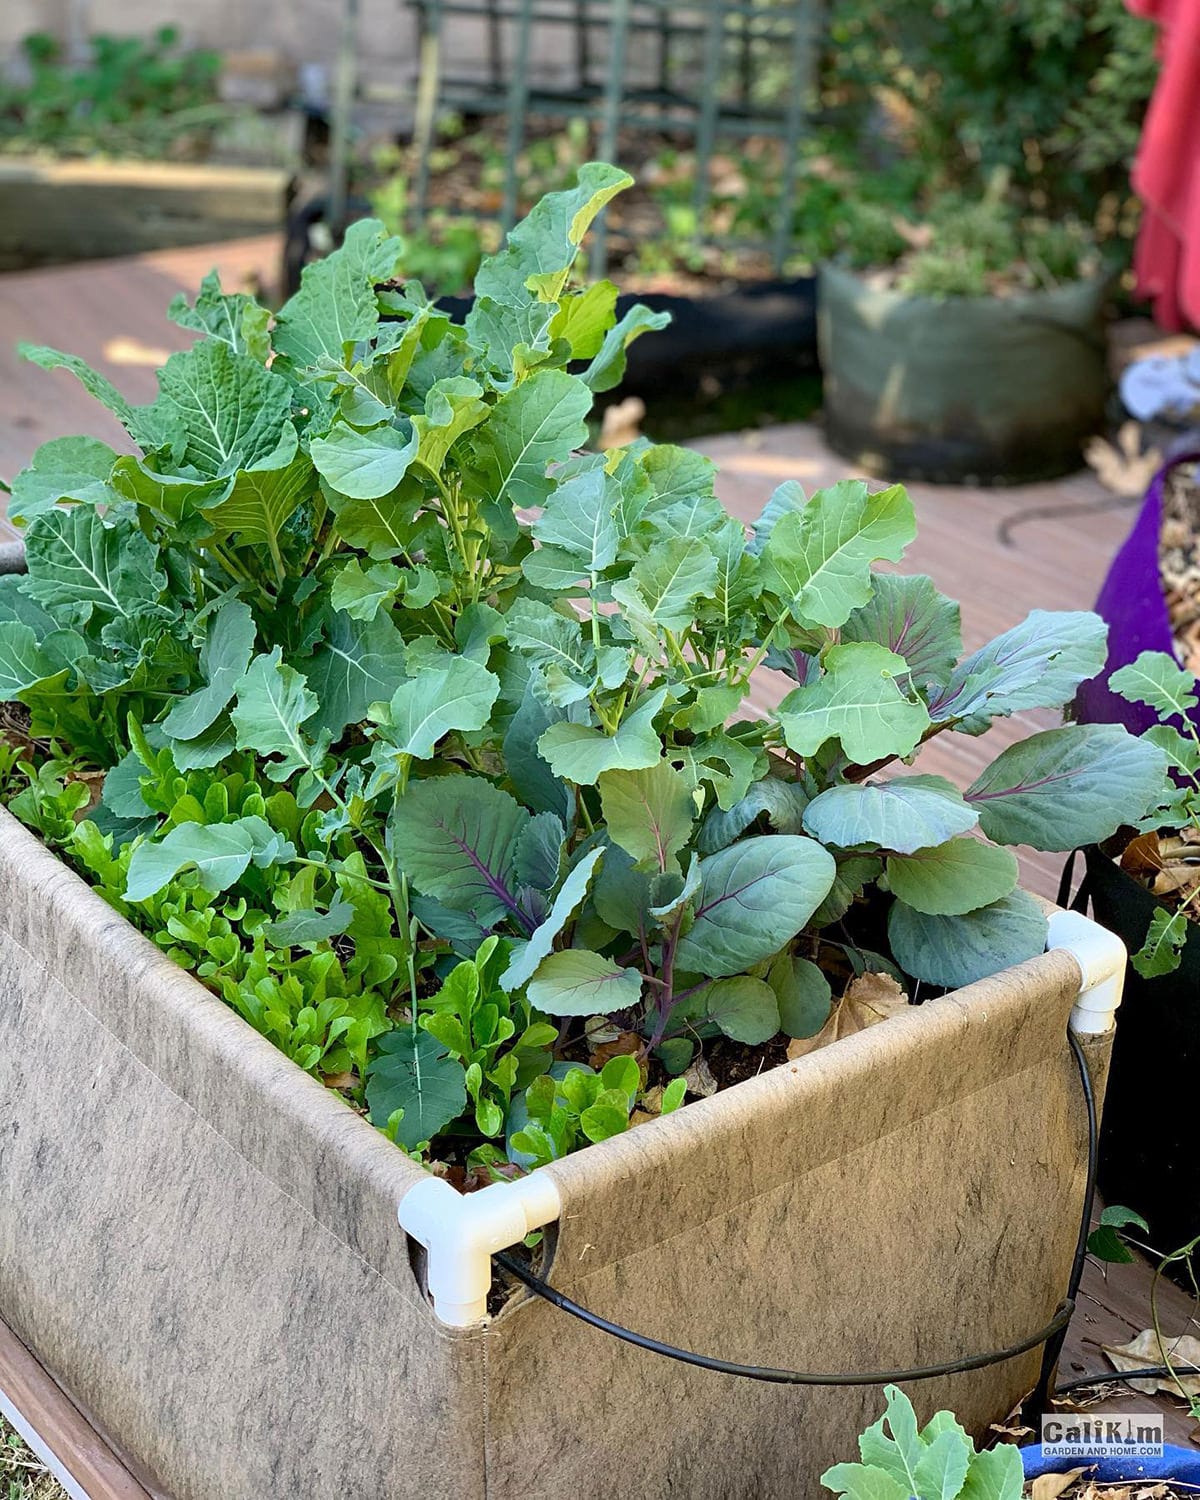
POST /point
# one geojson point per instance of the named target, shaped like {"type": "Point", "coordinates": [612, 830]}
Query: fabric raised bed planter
{"type": "Point", "coordinates": [201, 1243]}
{"type": "Point", "coordinates": [1147, 1158]}
{"type": "Point", "coordinates": [1147, 1147]}
{"type": "Point", "coordinates": [980, 389]}
{"type": "Point", "coordinates": [56, 211]}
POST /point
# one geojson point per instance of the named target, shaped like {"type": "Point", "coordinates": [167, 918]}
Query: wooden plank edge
{"type": "Point", "coordinates": [50, 1423]}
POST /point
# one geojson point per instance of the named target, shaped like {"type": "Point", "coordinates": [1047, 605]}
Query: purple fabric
{"type": "Point", "coordinates": [1131, 601]}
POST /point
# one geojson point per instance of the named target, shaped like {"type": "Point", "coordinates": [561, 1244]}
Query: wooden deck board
{"type": "Point", "coordinates": [1113, 1307]}
{"type": "Point", "coordinates": [81, 1460]}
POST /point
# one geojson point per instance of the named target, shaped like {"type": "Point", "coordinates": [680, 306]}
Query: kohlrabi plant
{"type": "Point", "coordinates": [901, 1461]}
{"type": "Point", "coordinates": [424, 733]}
{"type": "Point", "coordinates": [1166, 851]}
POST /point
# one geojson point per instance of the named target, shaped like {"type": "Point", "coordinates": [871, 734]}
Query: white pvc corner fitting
{"type": "Point", "coordinates": [462, 1231]}
{"type": "Point", "coordinates": [1101, 956]}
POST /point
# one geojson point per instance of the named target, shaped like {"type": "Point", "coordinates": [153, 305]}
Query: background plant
{"type": "Point", "coordinates": [1050, 91]}
{"type": "Point", "coordinates": [135, 95]}
{"type": "Point", "coordinates": [1020, 120]}
{"type": "Point", "coordinates": [412, 725]}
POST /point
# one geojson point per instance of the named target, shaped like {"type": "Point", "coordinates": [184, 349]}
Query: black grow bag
{"type": "Point", "coordinates": [1150, 1136]}
{"type": "Point", "coordinates": [766, 328]}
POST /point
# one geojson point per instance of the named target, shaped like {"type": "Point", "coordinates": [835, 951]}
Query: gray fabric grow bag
{"type": "Point", "coordinates": [992, 390]}
{"type": "Point", "coordinates": [201, 1243]}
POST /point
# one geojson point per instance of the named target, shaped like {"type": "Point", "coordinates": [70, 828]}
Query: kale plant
{"type": "Point", "coordinates": [419, 724]}
{"type": "Point", "coordinates": [936, 1462]}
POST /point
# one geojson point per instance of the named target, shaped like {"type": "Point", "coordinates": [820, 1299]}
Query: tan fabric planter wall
{"type": "Point", "coordinates": [200, 1242]}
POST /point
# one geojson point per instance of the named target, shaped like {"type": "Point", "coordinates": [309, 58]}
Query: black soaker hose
{"type": "Point", "coordinates": [1051, 1335]}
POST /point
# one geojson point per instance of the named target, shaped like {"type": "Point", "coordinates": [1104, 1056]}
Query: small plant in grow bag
{"type": "Point", "coordinates": [1166, 851]}
{"type": "Point", "coordinates": [419, 733]}
{"type": "Point", "coordinates": [901, 1461]}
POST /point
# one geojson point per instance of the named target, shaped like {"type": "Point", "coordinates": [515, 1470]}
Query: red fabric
{"type": "Point", "coordinates": [1166, 175]}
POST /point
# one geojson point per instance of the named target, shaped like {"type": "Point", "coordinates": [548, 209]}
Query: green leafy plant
{"type": "Point", "coordinates": [1172, 826]}
{"type": "Point", "coordinates": [1050, 91]}
{"type": "Point", "coordinates": [490, 1048]}
{"type": "Point", "coordinates": [581, 1105]}
{"type": "Point", "coordinates": [381, 671]}
{"type": "Point", "coordinates": [1106, 1241]}
{"type": "Point", "coordinates": [901, 1461]}
{"type": "Point", "coordinates": [1044, 97]}
{"type": "Point", "coordinates": [134, 95]}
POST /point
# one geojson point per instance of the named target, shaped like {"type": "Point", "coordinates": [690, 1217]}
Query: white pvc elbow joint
{"type": "Point", "coordinates": [1101, 957]}
{"type": "Point", "coordinates": [462, 1231]}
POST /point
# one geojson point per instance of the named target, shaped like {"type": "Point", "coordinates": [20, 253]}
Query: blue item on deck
{"type": "Point", "coordinates": [1180, 1464]}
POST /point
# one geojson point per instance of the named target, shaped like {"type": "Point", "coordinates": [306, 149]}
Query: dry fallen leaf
{"type": "Point", "coordinates": [1050, 1486]}
{"type": "Point", "coordinates": [869, 998]}
{"type": "Point", "coordinates": [624, 1044]}
{"type": "Point", "coordinates": [874, 997]}
{"type": "Point", "coordinates": [700, 1080]}
{"type": "Point", "coordinates": [622, 423]}
{"type": "Point", "coordinates": [1012, 1429]}
{"type": "Point", "coordinates": [1141, 856]}
{"type": "Point", "coordinates": [1147, 1349]}
{"type": "Point", "coordinates": [1180, 870]}
{"type": "Point", "coordinates": [1123, 468]}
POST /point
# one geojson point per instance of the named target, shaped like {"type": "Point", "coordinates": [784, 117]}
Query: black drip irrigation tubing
{"type": "Point", "coordinates": [1051, 1335]}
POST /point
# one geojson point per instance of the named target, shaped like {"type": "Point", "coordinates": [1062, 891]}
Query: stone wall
{"type": "Point", "coordinates": [301, 31]}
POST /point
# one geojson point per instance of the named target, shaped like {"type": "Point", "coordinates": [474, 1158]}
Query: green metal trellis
{"type": "Point", "coordinates": [708, 64]}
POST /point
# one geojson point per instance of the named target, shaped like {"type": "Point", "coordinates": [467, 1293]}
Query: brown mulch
{"type": "Point", "coordinates": [1179, 560]}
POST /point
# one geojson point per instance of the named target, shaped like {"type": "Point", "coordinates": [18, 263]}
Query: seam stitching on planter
{"type": "Point", "coordinates": [208, 1125]}
{"type": "Point", "coordinates": [487, 1414]}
